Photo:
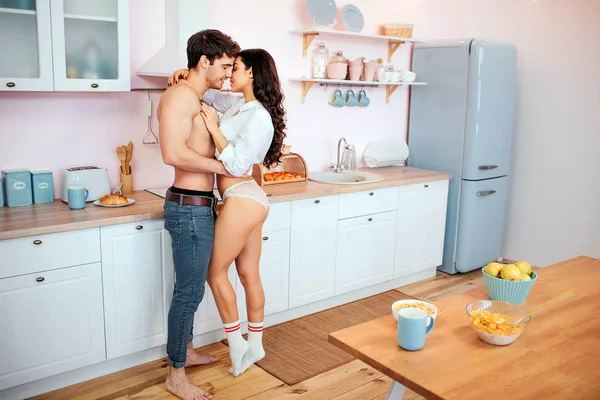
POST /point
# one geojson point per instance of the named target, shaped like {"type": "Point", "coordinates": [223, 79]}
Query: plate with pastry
{"type": "Point", "coordinates": [114, 200]}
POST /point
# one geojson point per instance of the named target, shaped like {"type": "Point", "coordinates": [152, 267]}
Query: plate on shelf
{"type": "Point", "coordinates": [352, 18]}
{"type": "Point", "coordinates": [131, 201]}
{"type": "Point", "coordinates": [323, 12]}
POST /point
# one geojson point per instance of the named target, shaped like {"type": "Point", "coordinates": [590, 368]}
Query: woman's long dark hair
{"type": "Point", "coordinates": [267, 91]}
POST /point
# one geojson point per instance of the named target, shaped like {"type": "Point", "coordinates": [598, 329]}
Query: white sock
{"type": "Point", "coordinates": [237, 346]}
{"type": "Point", "coordinates": [256, 351]}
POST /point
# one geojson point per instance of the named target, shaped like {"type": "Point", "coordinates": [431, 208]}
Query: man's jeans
{"type": "Point", "coordinates": [192, 231]}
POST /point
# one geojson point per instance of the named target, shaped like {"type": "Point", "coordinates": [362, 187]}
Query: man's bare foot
{"type": "Point", "coordinates": [192, 358]}
{"type": "Point", "coordinates": [178, 384]}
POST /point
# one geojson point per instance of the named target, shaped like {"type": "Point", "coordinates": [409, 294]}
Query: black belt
{"type": "Point", "coordinates": [191, 200]}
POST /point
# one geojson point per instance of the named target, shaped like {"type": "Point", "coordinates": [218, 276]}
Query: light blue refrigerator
{"type": "Point", "coordinates": [462, 123]}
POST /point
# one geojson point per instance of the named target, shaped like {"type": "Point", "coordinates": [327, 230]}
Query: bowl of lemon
{"type": "Point", "coordinates": [493, 323]}
{"type": "Point", "coordinates": [509, 282]}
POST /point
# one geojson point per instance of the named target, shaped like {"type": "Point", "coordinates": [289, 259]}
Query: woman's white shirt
{"type": "Point", "coordinates": [247, 127]}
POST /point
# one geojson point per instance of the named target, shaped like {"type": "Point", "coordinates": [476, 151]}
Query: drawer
{"type": "Point", "coordinates": [279, 217]}
{"type": "Point", "coordinates": [46, 252]}
{"type": "Point", "coordinates": [367, 202]}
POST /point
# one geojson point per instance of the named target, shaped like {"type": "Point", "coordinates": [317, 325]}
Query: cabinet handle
{"type": "Point", "coordinates": [370, 219]}
{"type": "Point", "coordinates": [487, 167]}
{"type": "Point", "coordinates": [426, 186]}
{"type": "Point", "coordinates": [36, 242]}
{"type": "Point", "coordinates": [10, 84]}
{"type": "Point", "coordinates": [40, 279]}
{"type": "Point", "coordinates": [371, 194]}
{"type": "Point", "coordinates": [317, 201]}
{"type": "Point", "coordinates": [485, 192]}
{"type": "Point", "coordinates": [95, 85]}
{"type": "Point", "coordinates": [139, 227]}
{"type": "Point", "coordinates": [265, 238]}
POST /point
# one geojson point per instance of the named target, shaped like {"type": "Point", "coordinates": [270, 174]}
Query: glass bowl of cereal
{"type": "Point", "coordinates": [423, 305]}
{"type": "Point", "coordinates": [491, 320]}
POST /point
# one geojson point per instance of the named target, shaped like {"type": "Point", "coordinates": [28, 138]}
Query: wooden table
{"type": "Point", "coordinates": [556, 357]}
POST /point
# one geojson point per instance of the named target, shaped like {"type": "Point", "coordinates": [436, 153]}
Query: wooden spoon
{"type": "Point", "coordinates": [529, 312]}
{"type": "Point", "coordinates": [122, 154]}
{"type": "Point", "coordinates": [127, 159]}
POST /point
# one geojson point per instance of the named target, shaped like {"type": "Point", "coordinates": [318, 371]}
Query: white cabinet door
{"type": "Point", "coordinates": [313, 239]}
{"type": "Point", "coordinates": [25, 46]}
{"type": "Point", "coordinates": [50, 322]}
{"type": "Point", "coordinates": [134, 287]}
{"type": "Point", "coordinates": [207, 316]}
{"type": "Point", "coordinates": [421, 225]}
{"type": "Point", "coordinates": [274, 273]}
{"type": "Point", "coordinates": [365, 251]}
{"type": "Point", "coordinates": [90, 42]}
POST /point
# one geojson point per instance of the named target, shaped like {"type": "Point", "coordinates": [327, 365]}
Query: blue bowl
{"type": "Point", "coordinates": [514, 292]}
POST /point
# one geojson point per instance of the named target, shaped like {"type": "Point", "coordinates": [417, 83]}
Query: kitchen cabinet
{"type": "Point", "coordinates": [65, 45]}
{"type": "Point", "coordinates": [26, 48]}
{"type": "Point", "coordinates": [365, 251]}
{"type": "Point", "coordinates": [135, 287]}
{"type": "Point", "coordinates": [52, 322]}
{"type": "Point", "coordinates": [274, 267]}
{"type": "Point", "coordinates": [313, 238]}
{"type": "Point", "coordinates": [420, 227]}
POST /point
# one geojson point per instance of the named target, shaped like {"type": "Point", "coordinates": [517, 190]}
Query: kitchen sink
{"type": "Point", "coordinates": [345, 178]}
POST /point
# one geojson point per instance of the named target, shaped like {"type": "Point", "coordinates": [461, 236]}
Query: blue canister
{"type": "Point", "coordinates": [1, 192]}
{"type": "Point", "coordinates": [43, 188]}
{"type": "Point", "coordinates": [17, 187]}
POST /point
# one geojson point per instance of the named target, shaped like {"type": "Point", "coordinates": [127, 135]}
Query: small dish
{"type": "Point", "coordinates": [323, 12]}
{"type": "Point", "coordinates": [352, 18]}
{"type": "Point", "coordinates": [413, 304]}
{"type": "Point", "coordinates": [131, 201]}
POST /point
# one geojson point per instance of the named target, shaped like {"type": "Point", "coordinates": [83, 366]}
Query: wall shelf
{"type": "Point", "coordinates": [393, 42]}
{"type": "Point", "coordinates": [307, 84]}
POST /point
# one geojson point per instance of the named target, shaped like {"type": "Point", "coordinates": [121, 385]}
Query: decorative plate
{"type": "Point", "coordinates": [352, 18]}
{"type": "Point", "coordinates": [323, 12]}
{"type": "Point", "coordinates": [131, 201]}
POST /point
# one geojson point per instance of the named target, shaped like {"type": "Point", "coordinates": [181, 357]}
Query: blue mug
{"type": "Point", "coordinates": [77, 196]}
{"type": "Point", "coordinates": [412, 328]}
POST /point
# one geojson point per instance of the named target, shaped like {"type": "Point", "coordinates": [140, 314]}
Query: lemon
{"type": "Point", "coordinates": [525, 277]}
{"type": "Point", "coordinates": [524, 267]}
{"type": "Point", "coordinates": [511, 273]}
{"type": "Point", "coordinates": [493, 269]}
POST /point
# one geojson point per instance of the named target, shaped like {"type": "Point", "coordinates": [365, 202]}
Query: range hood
{"type": "Point", "coordinates": [183, 19]}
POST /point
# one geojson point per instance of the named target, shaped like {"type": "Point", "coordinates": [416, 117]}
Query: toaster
{"type": "Point", "coordinates": [94, 179]}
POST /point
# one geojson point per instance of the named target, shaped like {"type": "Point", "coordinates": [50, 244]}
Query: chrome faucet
{"type": "Point", "coordinates": [339, 166]}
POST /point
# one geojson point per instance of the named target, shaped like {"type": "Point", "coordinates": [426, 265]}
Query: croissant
{"type": "Point", "coordinates": [113, 199]}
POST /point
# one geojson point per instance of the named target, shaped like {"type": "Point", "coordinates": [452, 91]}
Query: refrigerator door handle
{"type": "Point", "coordinates": [487, 167]}
{"type": "Point", "coordinates": [485, 192]}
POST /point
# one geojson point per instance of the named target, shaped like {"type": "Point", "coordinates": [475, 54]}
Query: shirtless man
{"type": "Point", "coordinates": [189, 204]}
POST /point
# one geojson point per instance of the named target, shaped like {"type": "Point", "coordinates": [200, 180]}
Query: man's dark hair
{"type": "Point", "coordinates": [212, 44]}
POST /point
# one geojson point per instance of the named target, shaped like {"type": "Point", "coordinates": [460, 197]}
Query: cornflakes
{"type": "Point", "coordinates": [419, 305]}
{"type": "Point", "coordinates": [487, 322]}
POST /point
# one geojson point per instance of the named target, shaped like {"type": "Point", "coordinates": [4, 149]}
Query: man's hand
{"type": "Point", "coordinates": [177, 75]}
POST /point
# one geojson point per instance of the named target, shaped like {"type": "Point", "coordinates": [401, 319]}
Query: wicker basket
{"type": "Point", "coordinates": [398, 30]}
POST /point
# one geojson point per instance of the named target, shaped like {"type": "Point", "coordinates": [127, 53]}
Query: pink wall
{"type": "Point", "coordinates": [553, 210]}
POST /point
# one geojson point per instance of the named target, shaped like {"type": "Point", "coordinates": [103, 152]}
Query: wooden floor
{"type": "Point", "coordinates": [352, 381]}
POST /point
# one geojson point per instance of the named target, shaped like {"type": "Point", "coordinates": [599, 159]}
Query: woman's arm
{"type": "Point", "coordinates": [249, 149]}
{"type": "Point", "coordinates": [219, 100]}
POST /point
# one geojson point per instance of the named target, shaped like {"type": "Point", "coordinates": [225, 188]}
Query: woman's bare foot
{"type": "Point", "coordinates": [178, 384]}
{"type": "Point", "coordinates": [192, 358]}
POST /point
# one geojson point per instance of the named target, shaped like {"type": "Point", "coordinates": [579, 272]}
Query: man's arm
{"type": "Point", "coordinates": [175, 126]}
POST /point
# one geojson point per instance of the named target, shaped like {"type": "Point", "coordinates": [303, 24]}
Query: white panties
{"type": "Point", "coordinates": [248, 190]}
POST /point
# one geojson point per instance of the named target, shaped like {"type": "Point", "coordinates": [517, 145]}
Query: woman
{"type": "Point", "coordinates": [251, 131]}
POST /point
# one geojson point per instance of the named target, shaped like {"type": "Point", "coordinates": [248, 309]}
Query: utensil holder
{"type": "Point", "coordinates": [127, 181]}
